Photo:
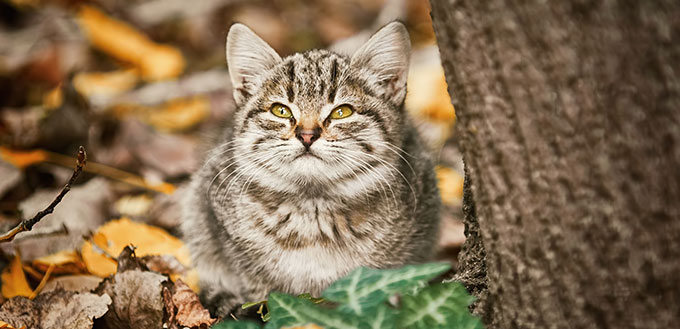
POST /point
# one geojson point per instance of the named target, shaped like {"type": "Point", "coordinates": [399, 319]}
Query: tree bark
{"type": "Point", "coordinates": [569, 120]}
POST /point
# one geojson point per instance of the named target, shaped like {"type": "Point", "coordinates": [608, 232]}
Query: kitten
{"type": "Point", "coordinates": [321, 172]}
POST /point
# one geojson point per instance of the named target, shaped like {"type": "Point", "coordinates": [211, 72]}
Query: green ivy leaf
{"type": "Point", "coordinates": [364, 289]}
{"type": "Point", "coordinates": [230, 324]}
{"type": "Point", "coordinates": [382, 317]}
{"type": "Point", "coordinates": [441, 305]}
{"type": "Point", "coordinates": [288, 311]}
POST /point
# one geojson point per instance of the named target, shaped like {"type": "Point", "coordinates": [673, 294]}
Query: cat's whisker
{"type": "Point", "coordinates": [380, 176]}
{"type": "Point", "coordinates": [413, 192]}
{"type": "Point", "coordinates": [246, 156]}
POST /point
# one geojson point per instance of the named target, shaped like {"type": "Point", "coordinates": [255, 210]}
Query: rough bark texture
{"type": "Point", "coordinates": [569, 120]}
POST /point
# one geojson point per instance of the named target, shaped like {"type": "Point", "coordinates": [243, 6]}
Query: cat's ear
{"type": "Point", "coordinates": [385, 57]}
{"type": "Point", "coordinates": [248, 56]}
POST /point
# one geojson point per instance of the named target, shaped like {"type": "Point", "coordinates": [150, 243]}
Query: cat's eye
{"type": "Point", "coordinates": [341, 112]}
{"type": "Point", "coordinates": [281, 111]}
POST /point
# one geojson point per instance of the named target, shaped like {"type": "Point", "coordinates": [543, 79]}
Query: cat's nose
{"type": "Point", "coordinates": [308, 136]}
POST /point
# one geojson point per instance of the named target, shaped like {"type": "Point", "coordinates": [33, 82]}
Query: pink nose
{"type": "Point", "coordinates": [307, 137]}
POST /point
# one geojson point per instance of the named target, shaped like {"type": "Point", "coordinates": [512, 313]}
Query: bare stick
{"type": "Point", "coordinates": [27, 225]}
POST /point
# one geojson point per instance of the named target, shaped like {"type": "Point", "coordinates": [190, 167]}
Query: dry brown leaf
{"type": "Point", "coordinates": [76, 283]}
{"type": "Point", "coordinates": [166, 154]}
{"type": "Point", "coordinates": [122, 41]}
{"type": "Point", "coordinates": [14, 280]}
{"type": "Point", "coordinates": [11, 176]}
{"type": "Point", "coordinates": [137, 301]}
{"type": "Point", "coordinates": [450, 185]}
{"type": "Point", "coordinates": [190, 311]}
{"type": "Point", "coordinates": [117, 234]}
{"type": "Point", "coordinates": [81, 212]}
{"type": "Point", "coordinates": [55, 310]}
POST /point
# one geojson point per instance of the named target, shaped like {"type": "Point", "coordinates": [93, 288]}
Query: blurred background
{"type": "Point", "coordinates": [140, 83]}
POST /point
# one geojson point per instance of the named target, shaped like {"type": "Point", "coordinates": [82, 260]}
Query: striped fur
{"type": "Point", "coordinates": [264, 215]}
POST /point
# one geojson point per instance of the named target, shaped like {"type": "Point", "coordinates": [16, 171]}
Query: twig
{"type": "Point", "coordinates": [27, 225]}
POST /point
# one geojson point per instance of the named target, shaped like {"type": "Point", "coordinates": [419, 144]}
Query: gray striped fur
{"type": "Point", "coordinates": [261, 217]}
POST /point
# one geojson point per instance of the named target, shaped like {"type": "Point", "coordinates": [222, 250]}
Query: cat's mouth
{"type": "Point", "coordinates": [306, 154]}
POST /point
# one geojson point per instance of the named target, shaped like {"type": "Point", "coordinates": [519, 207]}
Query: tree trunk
{"type": "Point", "coordinates": [568, 118]}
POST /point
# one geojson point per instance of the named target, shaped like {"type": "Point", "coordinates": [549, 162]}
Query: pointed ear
{"type": "Point", "coordinates": [385, 58]}
{"type": "Point", "coordinates": [248, 57]}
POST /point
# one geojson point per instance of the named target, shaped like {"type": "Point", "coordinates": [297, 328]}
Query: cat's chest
{"type": "Point", "coordinates": [308, 245]}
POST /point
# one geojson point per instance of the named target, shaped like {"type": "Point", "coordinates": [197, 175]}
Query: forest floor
{"type": "Point", "coordinates": [140, 84]}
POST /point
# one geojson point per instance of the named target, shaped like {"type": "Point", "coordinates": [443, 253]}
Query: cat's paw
{"type": "Point", "coordinates": [221, 304]}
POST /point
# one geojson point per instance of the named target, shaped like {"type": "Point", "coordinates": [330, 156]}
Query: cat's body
{"type": "Point", "coordinates": [294, 200]}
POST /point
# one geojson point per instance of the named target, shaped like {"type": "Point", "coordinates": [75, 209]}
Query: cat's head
{"type": "Point", "coordinates": [319, 117]}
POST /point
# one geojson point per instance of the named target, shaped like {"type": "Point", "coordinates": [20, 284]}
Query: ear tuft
{"type": "Point", "coordinates": [248, 56]}
{"type": "Point", "coordinates": [385, 57]}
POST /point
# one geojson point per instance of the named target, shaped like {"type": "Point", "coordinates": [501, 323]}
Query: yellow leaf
{"type": "Point", "coordinates": [5, 325]}
{"type": "Point", "coordinates": [450, 185]}
{"type": "Point", "coordinates": [63, 262]}
{"type": "Point", "coordinates": [105, 84]}
{"type": "Point", "coordinates": [54, 98]}
{"type": "Point", "coordinates": [180, 114]}
{"type": "Point", "coordinates": [23, 159]}
{"type": "Point", "coordinates": [174, 116]}
{"type": "Point", "coordinates": [43, 282]}
{"type": "Point", "coordinates": [112, 237]}
{"type": "Point", "coordinates": [122, 41]}
{"type": "Point", "coordinates": [14, 281]}
{"type": "Point", "coordinates": [427, 94]}
{"type": "Point", "coordinates": [134, 205]}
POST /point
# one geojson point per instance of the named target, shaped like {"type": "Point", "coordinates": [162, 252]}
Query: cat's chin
{"type": "Point", "coordinates": [307, 156]}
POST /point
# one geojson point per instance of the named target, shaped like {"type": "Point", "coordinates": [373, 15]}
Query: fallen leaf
{"type": "Point", "coordinates": [115, 235]}
{"type": "Point", "coordinates": [14, 280]}
{"type": "Point", "coordinates": [137, 301]}
{"type": "Point", "coordinates": [81, 212]}
{"type": "Point", "coordinates": [5, 325]}
{"type": "Point", "coordinates": [176, 115]}
{"type": "Point", "coordinates": [76, 283]}
{"type": "Point", "coordinates": [100, 86]}
{"type": "Point", "coordinates": [56, 310]}
{"type": "Point", "coordinates": [134, 205]}
{"type": "Point", "coordinates": [22, 159]}
{"type": "Point", "coordinates": [11, 176]}
{"type": "Point", "coordinates": [164, 264]}
{"type": "Point", "coordinates": [190, 311]}
{"type": "Point", "coordinates": [122, 41]}
{"type": "Point", "coordinates": [450, 185]}
{"type": "Point", "coordinates": [20, 312]}
{"type": "Point", "coordinates": [428, 94]}
{"type": "Point", "coordinates": [166, 211]}
{"type": "Point", "coordinates": [168, 154]}
{"type": "Point", "coordinates": [53, 98]}
{"type": "Point", "coordinates": [21, 127]}
{"type": "Point", "coordinates": [64, 262]}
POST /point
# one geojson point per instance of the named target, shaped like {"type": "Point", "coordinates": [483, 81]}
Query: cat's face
{"type": "Point", "coordinates": [319, 118]}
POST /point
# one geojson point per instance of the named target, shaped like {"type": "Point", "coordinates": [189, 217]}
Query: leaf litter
{"type": "Point", "coordinates": [141, 91]}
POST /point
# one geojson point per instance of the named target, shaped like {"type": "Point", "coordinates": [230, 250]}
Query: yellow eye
{"type": "Point", "coordinates": [281, 111]}
{"type": "Point", "coordinates": [341, 112]}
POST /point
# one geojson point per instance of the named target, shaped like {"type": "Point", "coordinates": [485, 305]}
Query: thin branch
{"type": "Point", "coordinates": [27, 225]}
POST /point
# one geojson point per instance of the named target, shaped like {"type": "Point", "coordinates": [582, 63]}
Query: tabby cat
{"type": "Point", "coordinates": [320, 172]}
